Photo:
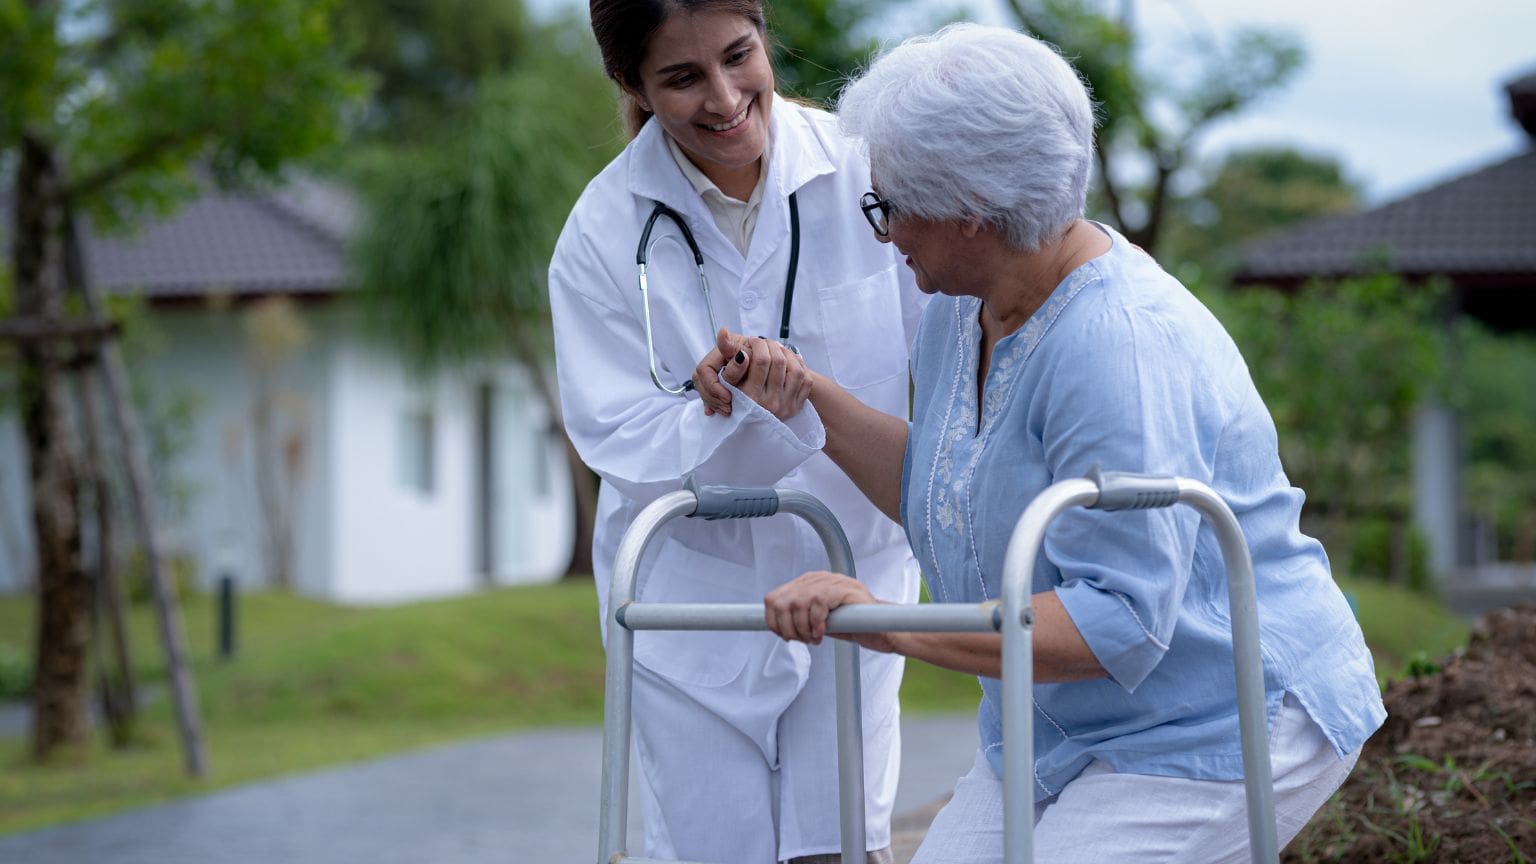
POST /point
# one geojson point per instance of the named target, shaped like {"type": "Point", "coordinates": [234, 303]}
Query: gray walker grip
{"type": "Point", "coordinates": [1119, 490]}
{"type": "Point", "coordinates": [732, 502]}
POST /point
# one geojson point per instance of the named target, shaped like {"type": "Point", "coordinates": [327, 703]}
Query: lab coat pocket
{"type": "Point", "coordinates": [701, 659]}
{"type": "Point", "coordinates": [861, 323]}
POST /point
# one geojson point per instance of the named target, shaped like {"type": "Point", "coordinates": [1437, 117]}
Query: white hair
{"type": "Point", "coordinates": [977, 122]}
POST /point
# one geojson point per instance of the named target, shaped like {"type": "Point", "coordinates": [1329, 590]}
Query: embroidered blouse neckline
{"type": "Point", "coordinates": [1013, 351]}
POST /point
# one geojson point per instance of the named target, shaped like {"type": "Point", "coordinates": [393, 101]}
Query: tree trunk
{"type": "Point", "coordinates": [167, 605]}
{"type": "Point", "coordinates": [582, 480]}
{"type": "Point", "coordinates": [114, 654]}
{"type": "Point", "coordinates": [60, 717]}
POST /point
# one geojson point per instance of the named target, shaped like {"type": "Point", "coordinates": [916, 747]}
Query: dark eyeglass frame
{"type": "Point", "coordinates": [878, 211]}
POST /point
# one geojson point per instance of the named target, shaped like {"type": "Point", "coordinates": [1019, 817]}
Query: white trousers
{"type": "Point", "coordinates": [1102, 815]}
{"type": "Point", "coordinates": [708, 794]}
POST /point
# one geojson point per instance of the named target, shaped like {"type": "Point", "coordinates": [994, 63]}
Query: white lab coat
{"type": "Point", "coordinates": [854, 313]}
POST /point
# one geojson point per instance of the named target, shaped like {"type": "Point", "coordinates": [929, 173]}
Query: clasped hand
{"type": "Point", "coordinates": [768, 372]}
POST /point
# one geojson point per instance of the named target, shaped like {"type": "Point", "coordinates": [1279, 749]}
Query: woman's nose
{"type": "Point", "coordinates": [722, 97]}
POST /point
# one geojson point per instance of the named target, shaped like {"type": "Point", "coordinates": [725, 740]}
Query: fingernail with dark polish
{"type": "Point", "coordinates": [741, 357]}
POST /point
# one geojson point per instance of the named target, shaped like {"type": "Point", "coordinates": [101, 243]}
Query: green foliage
{"type": "Point", "coordinates": [819, 44]}
{"type": "Point", "coordinates": [15, 672]}
{"type": "Point", "coordinates": [1495, 398]}
{"type": "Point", "coordinates": [183, 571]}
{"type": "Point", "coordinates": [1379, 544]}
{"type": "Point", "coordinates": [1246, 194]}
{"type": "Point", "coordinates": [131, 92]}
{"type": "Point", "coordinates": [1342, 367]}
{"type": "Point", "coordinates": [1420, 666]}
{"type": "Point", "coordinates": [428, 59]}
{"type": "Point", "coordinates": [453, 258]}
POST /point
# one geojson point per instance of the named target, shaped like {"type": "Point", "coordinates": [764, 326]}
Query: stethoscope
{"type": "Point", "coordinates": [698, 259]}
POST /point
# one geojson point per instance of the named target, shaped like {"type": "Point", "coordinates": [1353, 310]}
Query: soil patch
{"type": "Point", "coordinates": [1451, 777]}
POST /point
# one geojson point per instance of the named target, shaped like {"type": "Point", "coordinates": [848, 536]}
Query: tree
{"type": "Point", "coordinates": [460, 226]}
{"type": "Point", "coordinates": [104, 109]}
{"type": "Point", "coordinates": [1342, 366]}
{"type": "Point", "coordinates": [819, 44]}
{"type": "Point", "coordinates": [1150, 124]}
{"type": "Point", "coordinates": [1247, 194]}
{"type": "Point", "coordinates": [427, 58]}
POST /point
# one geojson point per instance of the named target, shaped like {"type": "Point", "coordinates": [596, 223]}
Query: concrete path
{"type": "Point", "coordinates": [524, 798]}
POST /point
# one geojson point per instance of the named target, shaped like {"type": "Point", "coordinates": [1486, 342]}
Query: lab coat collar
{"type": "Point", "coordinates": [799, 155]}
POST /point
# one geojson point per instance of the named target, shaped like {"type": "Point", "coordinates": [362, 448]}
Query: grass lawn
{"type": "Point", "coordinates": [316, 685]}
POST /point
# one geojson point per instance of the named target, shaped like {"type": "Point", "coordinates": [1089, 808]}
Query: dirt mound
{"type": "Point", "coordinates": [1451, 776]}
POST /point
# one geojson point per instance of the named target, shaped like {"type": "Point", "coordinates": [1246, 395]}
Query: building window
{"type": "Point", "coordinates": [415, 461]}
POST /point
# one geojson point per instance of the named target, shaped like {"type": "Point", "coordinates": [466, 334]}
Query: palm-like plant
{"type": "Point", "coordinates": [454, 255]}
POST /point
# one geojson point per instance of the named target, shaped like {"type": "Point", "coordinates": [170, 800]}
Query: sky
{"type": "Point", "coordinates": [1404, 94]}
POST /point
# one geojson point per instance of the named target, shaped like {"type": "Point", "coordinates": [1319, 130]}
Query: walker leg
{"type": "Point", "coordinates": [850, 751]}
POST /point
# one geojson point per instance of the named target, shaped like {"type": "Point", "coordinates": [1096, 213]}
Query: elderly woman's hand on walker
{"type": "Point", "coordinates": [797, 611]}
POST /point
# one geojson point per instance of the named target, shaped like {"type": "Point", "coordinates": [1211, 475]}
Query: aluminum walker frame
{"type": "Point", "coordinates": [1012, 616]}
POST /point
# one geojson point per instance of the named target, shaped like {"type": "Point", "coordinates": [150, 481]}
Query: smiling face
{"type": "Point", "coordinates": [707, 79]}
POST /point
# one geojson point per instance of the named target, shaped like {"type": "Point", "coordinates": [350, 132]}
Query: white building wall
{"type": "Point", "coordinates": [217, 517]}
{"type": "Point", "coordinates": [361, 535]}
{"type": "Point", "coordinates": [534, 508]}
{"type": "Point", "coordinates": [392, 542]}
{"type": "Point", "coordinates": [16, 553]}
{"type": "Point", "coordinates": [206, 494]}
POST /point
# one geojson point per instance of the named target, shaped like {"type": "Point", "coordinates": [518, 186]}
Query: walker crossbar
{"type": "Point", "coordinates": [1013, 616]}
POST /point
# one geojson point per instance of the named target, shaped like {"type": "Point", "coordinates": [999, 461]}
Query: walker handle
{"type": "Point", "coordinates": [732, 502]}
{"type": "Point", "coordinates": [1119, 490]}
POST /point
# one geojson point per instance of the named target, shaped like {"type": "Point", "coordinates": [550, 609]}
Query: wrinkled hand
{"type": "Point", "coordinates": [797, 610]}
{"type": "Point", "coordinates": [768, 372]}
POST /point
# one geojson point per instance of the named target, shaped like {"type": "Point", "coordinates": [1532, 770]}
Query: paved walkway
{"type": "Point", "coordinates": [524, 798]}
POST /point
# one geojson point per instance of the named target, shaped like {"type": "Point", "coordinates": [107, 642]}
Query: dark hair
{"type": "Point", "coordinates": [624, 28]}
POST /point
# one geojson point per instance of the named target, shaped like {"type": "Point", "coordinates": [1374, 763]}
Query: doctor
{"type": "Point", "coordinates": [735, 731]}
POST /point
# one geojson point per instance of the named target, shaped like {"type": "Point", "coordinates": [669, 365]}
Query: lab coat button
{"type": "Point", "coordinates": [749, 300]}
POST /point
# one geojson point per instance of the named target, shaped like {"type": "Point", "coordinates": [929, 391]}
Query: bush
{"type": "Point", "coordinates": [1391, 552]}
{"type": "Point", "coordinates": [15, 673]}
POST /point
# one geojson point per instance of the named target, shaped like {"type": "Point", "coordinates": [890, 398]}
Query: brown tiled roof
{"type": "Point", "coordinates": [1482, 224]}
{"type": "Point", "coordinates": [291, 239]}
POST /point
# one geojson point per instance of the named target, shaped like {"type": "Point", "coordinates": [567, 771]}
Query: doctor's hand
{"type": "Point", "coordinates": [797, 610]}
{"type": "Point", "coordinates": [765, 371]}
{"type": "Point", "coordinates": [727, 355]}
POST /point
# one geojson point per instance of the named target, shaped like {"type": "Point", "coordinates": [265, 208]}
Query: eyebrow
{"type": "Point", "coordinates": [678, 67]}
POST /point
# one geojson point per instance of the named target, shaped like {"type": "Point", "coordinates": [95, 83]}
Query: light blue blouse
{"type": "Point", "coordinates": [1123, 368]}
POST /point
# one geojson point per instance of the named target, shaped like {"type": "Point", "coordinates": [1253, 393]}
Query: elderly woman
{"type": "Point", "coordinates": [1053, 346]}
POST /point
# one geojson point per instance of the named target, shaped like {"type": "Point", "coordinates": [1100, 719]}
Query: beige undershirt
{"type": "Point", "coordinates": [736, 219]}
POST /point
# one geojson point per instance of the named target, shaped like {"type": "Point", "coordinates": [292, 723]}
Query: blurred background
{"type": "Point", "coordinates": [280, 451]}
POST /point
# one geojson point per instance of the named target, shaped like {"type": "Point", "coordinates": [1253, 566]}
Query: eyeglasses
{"type": "Point", "coordinates": [878, 211]}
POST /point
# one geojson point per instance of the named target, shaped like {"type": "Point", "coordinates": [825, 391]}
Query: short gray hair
{"type": "Point", "coordinates": [977, 122]}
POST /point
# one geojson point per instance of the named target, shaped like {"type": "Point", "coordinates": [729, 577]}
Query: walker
{"type": "Point", "coordinates": [1012, 616]}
